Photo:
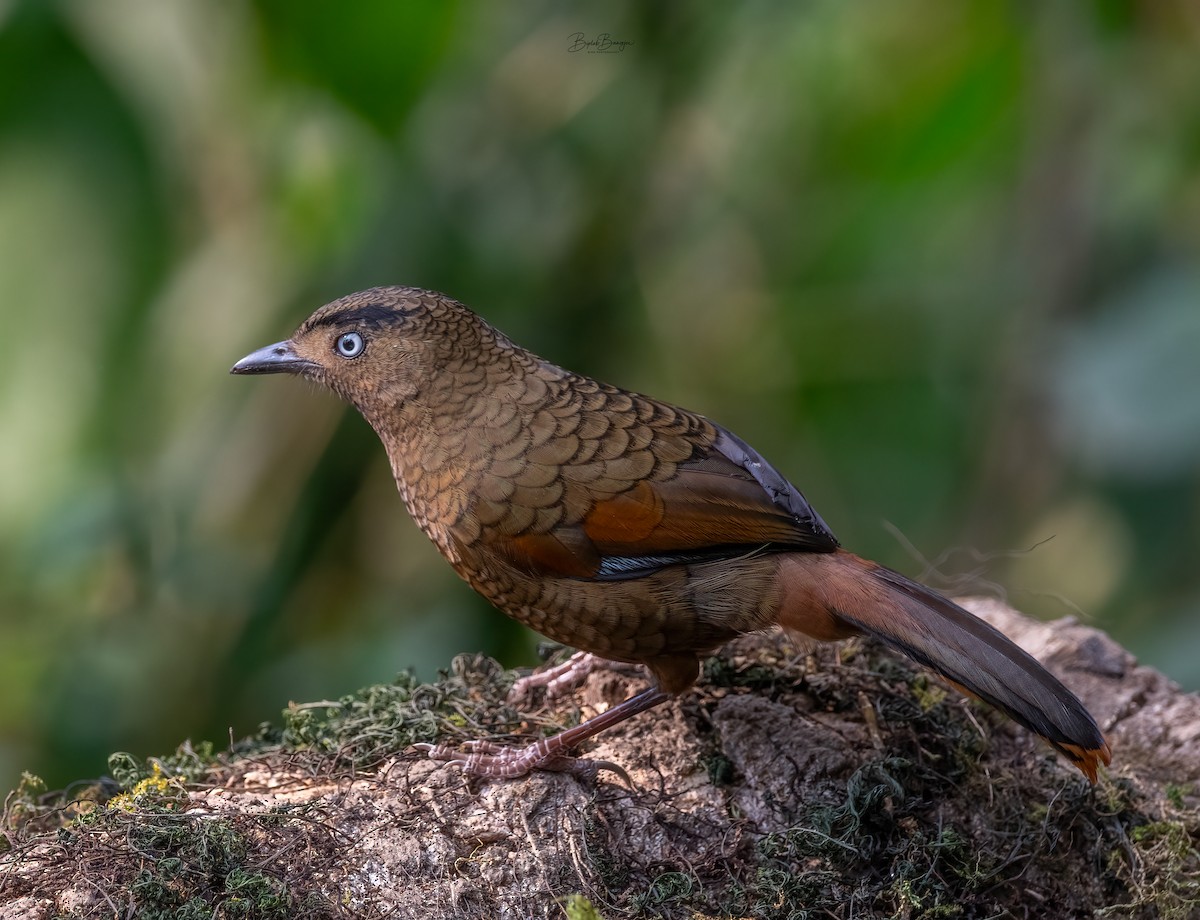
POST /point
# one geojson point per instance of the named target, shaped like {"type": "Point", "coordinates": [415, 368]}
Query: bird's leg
{"type": "Point", "coordinates": [495, 761]}
{"type": "Point", "coordinates": [559, 679]}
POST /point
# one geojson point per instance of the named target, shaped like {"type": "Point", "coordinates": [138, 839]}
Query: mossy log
{"type": "Point", "coordinates": [836, 782]}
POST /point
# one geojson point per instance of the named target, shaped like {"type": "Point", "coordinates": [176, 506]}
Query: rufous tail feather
{"type": "Point", "coordinates": [829, 595]}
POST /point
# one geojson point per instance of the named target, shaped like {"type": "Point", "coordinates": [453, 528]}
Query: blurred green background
{"type": "Point", "coordinates": [939, 262]}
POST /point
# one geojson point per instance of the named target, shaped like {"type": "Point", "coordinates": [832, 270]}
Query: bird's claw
{"type": "Point", "coordinates": [489, 760]}
{"type": "Point", "coordinates": [557, 681]}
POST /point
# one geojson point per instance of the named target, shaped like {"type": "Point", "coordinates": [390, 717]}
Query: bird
{"type": "Point", "coordinates": [624, 526]}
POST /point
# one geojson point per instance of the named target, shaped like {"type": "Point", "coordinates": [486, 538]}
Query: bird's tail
{"type": "Point", "coordinates": [832, 595]}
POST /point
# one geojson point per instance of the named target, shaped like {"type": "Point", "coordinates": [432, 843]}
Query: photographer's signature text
{"type": "Point", "coordinates": [603, 43]}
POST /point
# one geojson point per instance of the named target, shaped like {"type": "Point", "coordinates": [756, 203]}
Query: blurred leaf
{"type": "Point", "coordinates": [868, 237]}
{"type": "Point", "coordinates": [374, 56]}
{"type": "Point", "coordinates": [1128, 385]}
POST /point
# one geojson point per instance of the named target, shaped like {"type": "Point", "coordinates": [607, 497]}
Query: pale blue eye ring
{"type": "Point", "coordinates": [349, 345]}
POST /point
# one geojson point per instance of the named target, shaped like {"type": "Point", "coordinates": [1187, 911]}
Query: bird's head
{"type": "Point", "coordinates": [376, 349]}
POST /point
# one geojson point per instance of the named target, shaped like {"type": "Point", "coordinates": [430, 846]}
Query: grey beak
{"type": "Point", "coordinates": [279, 358]}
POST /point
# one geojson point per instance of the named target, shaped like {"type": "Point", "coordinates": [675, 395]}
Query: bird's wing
{"type": "Point", "coordinates": [635, 517]}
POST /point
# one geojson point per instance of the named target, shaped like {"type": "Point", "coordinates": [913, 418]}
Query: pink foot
{"type": "Point", "coordinates": [559, 680]}
{"type": "Point", "coordinates": [488, 759]}
{"type": "Point", "coordinates": [498, 761]}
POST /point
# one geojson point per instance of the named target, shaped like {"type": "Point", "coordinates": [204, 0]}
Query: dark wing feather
{"type": "Point", "coordinates": [723, 502]}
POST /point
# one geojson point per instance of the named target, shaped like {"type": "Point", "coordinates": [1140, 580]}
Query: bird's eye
{"type": "Point", "coordinates": [349, 345]}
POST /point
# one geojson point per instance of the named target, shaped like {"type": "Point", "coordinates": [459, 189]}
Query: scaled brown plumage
{"type": "Point", "coordinates": [622, 525]}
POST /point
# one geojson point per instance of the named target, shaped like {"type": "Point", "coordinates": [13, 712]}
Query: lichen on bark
{"type": "Point", "coordinates": [836, 782]}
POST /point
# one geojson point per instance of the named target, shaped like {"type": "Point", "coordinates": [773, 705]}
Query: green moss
{"type": "Point", "coordinates": [1177, 794]}
{"type": "Point", "coordinates": [151, 791]}
{"type": "Point", "coordinates": [187, 764]}
{"type": "Point", "coordinates": [929, 827]}
{"type": "Point", "coordinates": [927, 693]}
{"type": "Point", "coordinates": [719, 769]}
{"type": "Point", "coordinates": [1161, 868]}
{"type": "Point", "coordinates": [667, 888]}
{"type": "Point", "coordinates": [362, 729]}
{"type": "Point", "coordinates": [722, 672]}
{"type": "Point", "coordinates": [907, 838]}
{"type": "Point", "coordinates": [179, 865]}
{"type": "Point", "coordinates": [577, 907]}
{"type": "Point", "coordinates": [253, 894]}
{"type": "Point", "coordinates": [23, 803]}
{"type": "Point", "coordinates": [187, 865]}
{"type": "Point", "coordinates": [612, 871]}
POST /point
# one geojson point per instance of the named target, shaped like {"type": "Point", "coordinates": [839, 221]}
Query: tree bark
{"type": "Point", "coordinates": [838, 782]}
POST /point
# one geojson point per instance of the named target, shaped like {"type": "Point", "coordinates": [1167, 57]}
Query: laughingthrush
{"type": "Point", "coordinates": [622, 525]}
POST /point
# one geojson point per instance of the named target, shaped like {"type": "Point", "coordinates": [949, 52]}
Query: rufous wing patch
{"type": "Point", "coordinates": [565, 552]}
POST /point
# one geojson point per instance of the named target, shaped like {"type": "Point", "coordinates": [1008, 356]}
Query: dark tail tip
{"type": "Point", "coordinates": [985, 662]}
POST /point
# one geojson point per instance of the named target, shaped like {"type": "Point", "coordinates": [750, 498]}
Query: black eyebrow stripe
{"type": "Point", "coordinates": [371, 316]}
